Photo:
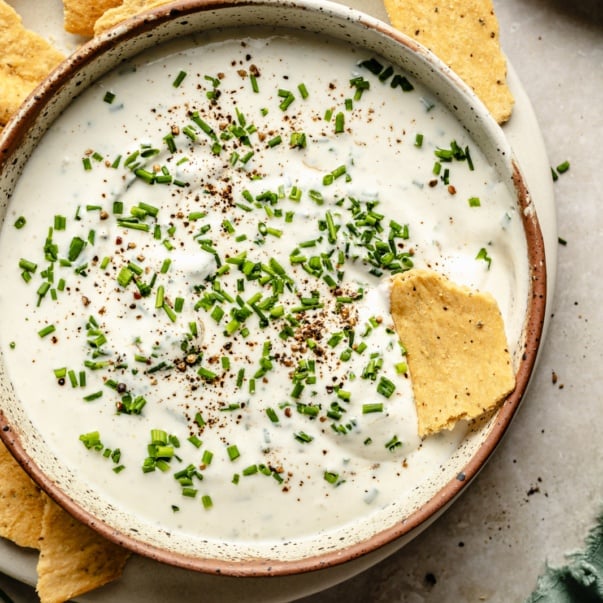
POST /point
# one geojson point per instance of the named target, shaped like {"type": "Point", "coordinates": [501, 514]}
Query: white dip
{"type": "Point", "coordinates": [212, 259]}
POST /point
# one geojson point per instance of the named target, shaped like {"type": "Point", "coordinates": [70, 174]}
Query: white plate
{"type": "Point", "coordinates": [148, 581]}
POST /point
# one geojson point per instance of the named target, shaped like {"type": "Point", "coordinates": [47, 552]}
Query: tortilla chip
{"type": "Point", "coordinates": [21, 503]}
{"type": "Point", "coordinates": [25, 60]}
{"type": "Point", "coordinates": [457, 352]}
{"type": "Point", "coordinates": [464, 34]}
{"type": "Point", "coordinates": [74, 559]}
{"type": "Point", "coordinates": [81, 15]}
{"type": "Point", "coordinates": [126, 9]}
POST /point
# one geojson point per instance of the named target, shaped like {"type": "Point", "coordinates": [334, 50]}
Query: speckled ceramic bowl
{"type": "Point", "coordinates": [389, 528]}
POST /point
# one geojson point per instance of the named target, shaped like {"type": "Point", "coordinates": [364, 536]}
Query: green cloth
{"type": "Point", "coordinates": [581, 580]}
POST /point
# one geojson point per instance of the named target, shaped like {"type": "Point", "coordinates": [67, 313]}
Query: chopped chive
{"type": "Point", "coordinates": [401, 368]}
{"type": "Point", "coordinates": [217, 313]}
{"type": "Point", "coordinates": [75, 248]}
{"type": "Point", "coordinates": [206, 374]}
{"type": "Point", "coordinates": [233, 452]}
{"type": "Point", "coordinates": [482, 254]}
{"type": "Point", "coordinates": [373, 65]}
{"type": "Point", "coordinates": [20, 222]}
{"type": "Point", "coordinates": [254, 83]}
{"type": "Point", "coordinates": [399, 81]}
{"type": "Point", "coordinates": [91, 440]}
{"type": "Point", "coordinates": [207, 457]}
{"type": "Point", "coordinates": [47, 330]}
{"type": "Point", "coordinates": [316, 196]}
{"type": "Point", "coordinates": [159, 297]}
{"type": "Point", "coordinates": [273, 142]}
{"type": "Point", "coordinates": [393, 443]}
{"type": "Point", "coordinates": [386, 73]}
{"type": "Point", "coordinates": [344, 395]}
{"type": "Point", "coordinates": [165, 266]}
{"type": "Point", "coordinates": [297, 140]}
{"type": "Point", "coordinates": [303, 437]}
{"type": "Point", "coordinates": [27, 265]}
{"type": "Point", "coordinates": [247, 157]}
{"type": "Point", "coordinates": [303, 91]}
{"type": "Point", "coordinates": [386, 387]}
{"type": "Point", "coordinates": [169, 311]}
{"type": "Point", "coordinates": [295, 193]}
{"type": "Point", "coordinates": [94, 396]}
{"type": "Point", "coordinates": [250, 470]}
{"type": "Point", "coordinates": [272, 415]}
{"type": "Point", "coordinates": [195, 441]}
{"type": "Point", "coordinates": [288, 99]}
{"type": "Point", "coordinates": [199, 420]}
{"type": "Point", "coordinates": [469, 159]}
{"type": "Point", "coordinates": [563, 167]}
{"type": "Point", "coordinates": [197, 215]}
{"type": "Point", "coordinates": [360, 84]}
{"type": "Point", "coordinates": [332, 478]}
{"type": "Point", "coordinates": [179, 79]}
{"type": "Point", "coordinates": [125, 276]}
{"type": "Point", "coordinates": [370, 408]}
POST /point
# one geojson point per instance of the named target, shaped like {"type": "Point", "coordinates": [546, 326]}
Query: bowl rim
{"type": "Point", "coordinates": [137, 26]}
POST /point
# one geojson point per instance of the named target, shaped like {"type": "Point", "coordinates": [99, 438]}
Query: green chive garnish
{"type": "Point", "coordinates": [179, 79]}
{"type": "Point", "coordinates": [47, 330]}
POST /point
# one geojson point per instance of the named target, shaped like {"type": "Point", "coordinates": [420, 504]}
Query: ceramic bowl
{"type": "Point", "coordinates": [391, 527]}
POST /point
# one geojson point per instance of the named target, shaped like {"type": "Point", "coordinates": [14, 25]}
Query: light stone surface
{"type": "Point", "coordinates": [541, 491]}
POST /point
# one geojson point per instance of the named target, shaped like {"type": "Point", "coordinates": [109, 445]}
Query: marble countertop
{"type": "Point", "coordinates": [541, 491]}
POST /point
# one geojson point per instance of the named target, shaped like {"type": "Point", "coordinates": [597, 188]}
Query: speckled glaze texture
{"type": "Point", "coordinates": [390, 529]}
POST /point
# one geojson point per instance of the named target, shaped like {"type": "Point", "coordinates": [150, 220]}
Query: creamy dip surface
{"type": "Point", "coordinates": [196, 267]}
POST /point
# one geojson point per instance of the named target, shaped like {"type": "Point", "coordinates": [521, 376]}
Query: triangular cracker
{"type": "Point", "coordinates": [456, 346]}
{"type": "Point", "coordinates": [126, 9]}
{"type": "Point", "coordinates": [25, 60]}
{"type": "Point", "coordinates": [81, 15]}
{"type": "Point", "coordinates": [74, 559]}
{"type": "Point", "coordinates": [21, 503]}
{"type": "Point", "coordinates": [465, 35]}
